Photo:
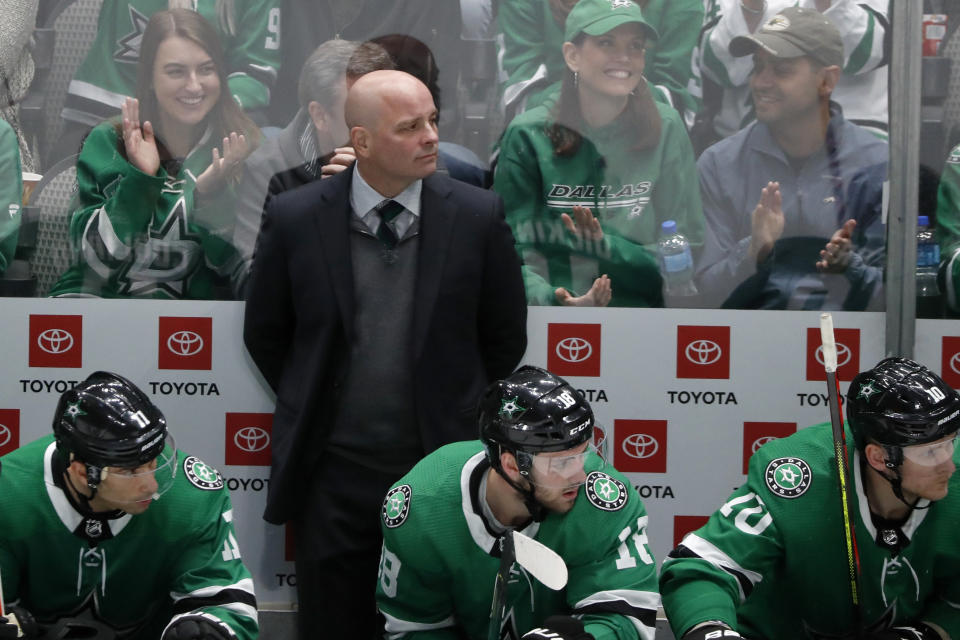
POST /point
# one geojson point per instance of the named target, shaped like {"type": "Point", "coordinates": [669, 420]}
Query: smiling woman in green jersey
{"type": "Point", "coordinates": [156, 190]}
{"type": "Point", "coordinates": [588, 179]}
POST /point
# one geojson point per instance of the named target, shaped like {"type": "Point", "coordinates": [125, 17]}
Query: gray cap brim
{"type": "Point", "coordinates": [769, 42]}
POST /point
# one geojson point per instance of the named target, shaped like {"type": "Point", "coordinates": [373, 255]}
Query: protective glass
{"type": "Point", "coordinates": [122, 485]}
{"type": "Point", "coordinates": [563, 469]}
{"type": "Point", "coordinates": [931, 455]}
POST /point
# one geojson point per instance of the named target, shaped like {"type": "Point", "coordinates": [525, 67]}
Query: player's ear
{"type": "Point", "coordinates": [509, 464]}
{"type": "Point", "coordinates": [360, 140]}
{"type": "Point", "coordinates": [876, 457]}
{"type": "Point", "coordinates": [77, 471]}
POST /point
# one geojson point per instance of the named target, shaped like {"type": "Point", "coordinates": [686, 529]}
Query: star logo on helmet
{"type": "Point", "coordinates": [73, 411]}
{"type": "Point", "coordinates": [510, 408]}
{"type": "Point", "coordinates": [866, 391]}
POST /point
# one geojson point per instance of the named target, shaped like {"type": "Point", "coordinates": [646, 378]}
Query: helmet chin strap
{"type": "Point", "coordinates": [77, 498]}
{"type": "Point", "coordinates": [894, 462]}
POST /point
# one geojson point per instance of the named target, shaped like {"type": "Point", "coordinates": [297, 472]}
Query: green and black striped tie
{"type": "Point", "coordinates": [388, 210]}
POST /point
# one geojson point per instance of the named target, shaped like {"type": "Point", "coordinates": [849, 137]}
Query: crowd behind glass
{"type": "Point", "coordinates": [621, 157]}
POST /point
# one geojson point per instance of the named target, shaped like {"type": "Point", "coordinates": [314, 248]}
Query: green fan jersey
{"type": "Point", "coordinates": [108, 74]}
{"type": "Point", "coordinates": [631, 192]}
{"type": "Point", "coordinates": [948, 229]}
{"type": "Point", "coordinates": [133, 573]}
{"type": "Point", "coordinates": [772, 561]}
{"type": "Point", "coordinates": [441, 556]}
{"type": "Point", "coordinates": [11, 194]}
{"type": "Point", "coordinates": [136, 235]}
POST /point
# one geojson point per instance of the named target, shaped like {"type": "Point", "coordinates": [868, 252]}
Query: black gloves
{"type": "Point", "coordinates": [712, 631]}
{"type": "Point", "coordinates": [196, 628]}
{"type": "Point", "coordinates": [918, 631]}
{"type": "Point", "coordinates": [559, 628]}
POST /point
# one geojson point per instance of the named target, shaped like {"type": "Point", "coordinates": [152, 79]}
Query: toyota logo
{"type": "Point", "coordinates": [5, 435]}
{"type": "Point", "coordinates": [185, 343]}
{"type": "Point", "coordinates": [703, 352]}
{"type": "Point", "coordinates": [759, 442]}
{"type": "Point", "coordinates": [843, 354]}
{"type": "Point", "coordinates": [640, 445]}
{"type": "Point", "coordinates": [574, 349]}
{"type": "Point", "coordinates": [251, 439]}
{"type": "Point", "coordinates": [955, 362]}
{"type": "Point", "coordinates": [55, 341]}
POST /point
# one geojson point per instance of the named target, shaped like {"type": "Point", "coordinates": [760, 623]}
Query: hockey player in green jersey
{"type": "Point", "coordinates": [534, 471]}
{"type": "Point", "coordinates": [771, 563]}
{"type": "Point", "coordinates": [107, 527]}
{"type": "Point", "coordinates": [155, 213]}
{"type": "Point", "coordinates": [588, 181]}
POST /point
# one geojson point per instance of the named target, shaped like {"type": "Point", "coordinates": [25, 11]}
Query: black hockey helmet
{"type": "Point", "coordinates": [532, 411]}
{"type": "Point", "coordinates": [106, 421]}
{"type": "Point", "coordinates": [900, 403]}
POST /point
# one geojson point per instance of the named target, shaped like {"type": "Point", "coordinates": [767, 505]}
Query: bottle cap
{"type": "Point", "coordinates": [923, 221]}
{"type": "Point", "coordinates": [668, 228]}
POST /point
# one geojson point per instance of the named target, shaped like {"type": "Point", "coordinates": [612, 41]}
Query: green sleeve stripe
{"type": "Point", "coordinates": [861, 54]}
{"type": "Point", "coordinates": [716, 68]}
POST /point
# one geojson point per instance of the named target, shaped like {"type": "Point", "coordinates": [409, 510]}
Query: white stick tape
{"type": "Point", "coordinates": [828, 344]}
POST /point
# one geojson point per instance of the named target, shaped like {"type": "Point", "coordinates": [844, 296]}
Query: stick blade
{"type": "Point", "coordinates": [829, 345]}
{"type": "Point", "coordinates": [541, 561]}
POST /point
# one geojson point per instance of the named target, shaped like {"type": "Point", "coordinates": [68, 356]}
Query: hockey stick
{"type": "Point", "coordinates": [539, 560]}
{"type": "Point", "coordinates": [829, 347]}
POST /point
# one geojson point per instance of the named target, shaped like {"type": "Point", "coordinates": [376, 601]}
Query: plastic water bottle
{"type": "Point", "coordinates": [676, 261]}
{"type": "Point", "coordinates": [928, 262]}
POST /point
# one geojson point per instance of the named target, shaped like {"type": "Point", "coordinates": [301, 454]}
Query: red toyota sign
{"type": "Point", "coordinates": [9, 430]}
{"type": "Point", "coordinates": [703, 352]}
{"type": "Point", "coordinates": [757, 434]}
{"type": "Point", "coordinates": [248, 439]}
{"type": "Point", "coordinates": [573, 349]}
{"type": "Point", "coordinates": [641, 446]}
{"type": "Point", "coordinates": [185, 343]}
{"type": "Point", "coordinates": [848, 354]}
{"type": "Point", "coordinates": [56, 341]}
{"type": "Point", "coordinates": [950, 361]}
{"type": "Point", "coordinates": [682, 525]}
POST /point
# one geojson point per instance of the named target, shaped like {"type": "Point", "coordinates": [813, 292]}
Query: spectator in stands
{"type": "Point", "coordinates": [155, 212]}
{"type": "Point", "coordinates": [11, 193]}
{"type": "Point", "coordinates": [314, 145]}
{"type": "Point", "coordinates": [17, 21]}
{"type": "Point", "coordinates": [814, 240]}
{"type": "Point", "coordinates": [604, 146]}
{"type": "Point", "coordinates": [436, 23]}
{"type": "Point", "coordinates": [948, 230]}
{"type": "Point", "coordinates": [533, 33]}
{"type": "Point", "coordinates": [249, 31]}
{"type": "Point", "coordinates": [721, 80]}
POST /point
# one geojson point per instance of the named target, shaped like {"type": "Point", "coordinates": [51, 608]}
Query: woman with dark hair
{"type": "Point", "coordinates": [603, 145]}
{"type": "Point", "coordinates": [156, 190]}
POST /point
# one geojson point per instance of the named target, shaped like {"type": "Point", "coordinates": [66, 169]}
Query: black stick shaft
{"type": "Point", "coordinates": [499, 604]}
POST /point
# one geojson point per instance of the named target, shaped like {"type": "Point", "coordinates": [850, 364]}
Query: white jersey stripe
{"type": "Point", "coordinates": [205, 592]}
{"type": "Point", "coordinates": [716, 557]}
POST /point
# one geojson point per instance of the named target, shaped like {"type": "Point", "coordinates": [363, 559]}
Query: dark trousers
{"type": "Point", "coordinates": [338, 551]}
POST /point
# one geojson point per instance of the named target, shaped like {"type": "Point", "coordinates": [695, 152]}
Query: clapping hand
{"type": "Point", "coordinates": [583, 224]}
{"type": "Point", "coordinates": [598, 296]}
{"type": "Point", "coordinates": [767, 221]}
{"type": "Point", "coordinates": [139, 141]}
{"type": "Point", "coordinates": [342, 158]}
{"type": "Point", "coordinates": [835, 256]}
{"type": "Point", "coordinates": [224, 166]}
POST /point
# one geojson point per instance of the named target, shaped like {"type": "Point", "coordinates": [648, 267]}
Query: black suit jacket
{"type": "Point", "coordinates": [469, 324]}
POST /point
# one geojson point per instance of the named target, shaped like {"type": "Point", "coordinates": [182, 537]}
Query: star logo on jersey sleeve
{"type": "Point", "coordinates": [788, 477]}
{"type": "Point", "coordinates": [73, 411]}
{"type": "Point", "coordinates": [128, 47]}
{"type": "Point", "coordinates": [396, 506]}
{"type": "Point", "coordinates": [605, 492]}
{"type": "Point", "coordinates": [511, 408]}
{"type": "Point", "coordinates": [202, 475]}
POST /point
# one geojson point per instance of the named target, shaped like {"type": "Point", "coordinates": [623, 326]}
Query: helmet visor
{"type": "Point", "coordinates": [932, 454]}
{"type": "Point", "coordinates": [124, 485]}
{"type": "Point", "coordinates": [563, 469]}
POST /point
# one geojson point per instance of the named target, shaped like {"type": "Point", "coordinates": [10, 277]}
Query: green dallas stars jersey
{"type": "Point", "coordinates": [630, 192]}
{"type": "Point", "coordinates": [948, 229]}
{"type": "Point", "coordinates": [109, 72]}
{"type": "Point", "coordinates": [136, 235]}
{"type": "Point", "coordinates": [772, 563]}
{"type": "Point", "coordinates": [438, 566]}
{"type": "Point", "coordinates": [178, 557]}
{"type": "Point", "coordinates": [11, 192]}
